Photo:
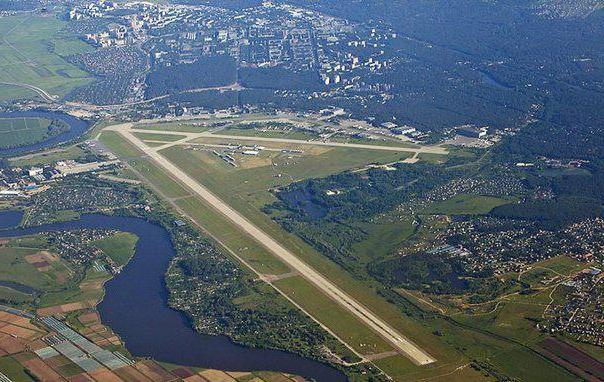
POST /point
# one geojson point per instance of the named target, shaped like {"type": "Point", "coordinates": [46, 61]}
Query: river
{"type": "Point", "coordinates": [77, 127]}
{"type": "Point", "coordinates": [136, 307]}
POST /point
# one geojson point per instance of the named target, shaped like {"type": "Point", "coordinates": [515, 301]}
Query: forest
{"type": "Point", "coordinates": [204, 73]}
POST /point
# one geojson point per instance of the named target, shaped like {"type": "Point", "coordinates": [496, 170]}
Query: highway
{"type": "Point", "coordinates": [396, 339]}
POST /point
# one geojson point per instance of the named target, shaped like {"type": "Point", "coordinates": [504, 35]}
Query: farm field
{"type": "Point", "coordinates": [10, 92]}
{"type": "Point", "coordinates": [24, 357]}
{"type": "Point", "coordinates": [33, 275]}
{"type": "Point", "coordinates": [15, 132]}
{"type": "Point", "coordinates": [214, 223]}
{"type": "Point", "coordinates": [33, 268]}
{"type": "Point", "coordinates": [32, 53]}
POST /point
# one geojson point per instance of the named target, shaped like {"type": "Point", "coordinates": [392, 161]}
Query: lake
{"type": "Point", "coordinates": [136, 307]}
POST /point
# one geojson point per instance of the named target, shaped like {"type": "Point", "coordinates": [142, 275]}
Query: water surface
{"type": "Point", "coordinates": [136, 307]}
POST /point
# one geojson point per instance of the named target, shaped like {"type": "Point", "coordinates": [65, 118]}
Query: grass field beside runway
{"type": "Point", "coordinates": [159, 137]}
{"type": "Point", "coordinates": [445, 340]}
{"type": "Point", "coordinates": [255, 175]}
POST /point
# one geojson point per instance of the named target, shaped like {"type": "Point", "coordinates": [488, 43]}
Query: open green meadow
{"type": "Point", "coordinates": [119, 247]}
{"type": "Point", "coordinates": [89, 289]}
{"type": "Point", "coordinates": [255, 176]}
{"type": "Point", "coordinates": [340, 321]}
{"type": "Point", "coordinates": [32, 52]}
{"type": "Point", "coordinates": [114, 141]}
{"type": "Point", "coordinates": [383, 238]}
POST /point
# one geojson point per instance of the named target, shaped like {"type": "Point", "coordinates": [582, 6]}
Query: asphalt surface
{"type": "Point", "coordinates": [205, 134]}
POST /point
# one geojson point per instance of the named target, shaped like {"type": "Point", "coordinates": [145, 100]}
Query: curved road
{"type": "Point", "coordinates": [41, 92]}
{"type": "Point", "coordinates": [396, 339]}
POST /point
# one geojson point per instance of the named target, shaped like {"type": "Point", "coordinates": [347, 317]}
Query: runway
{"type": "Point", "coordinates": [396, 339]}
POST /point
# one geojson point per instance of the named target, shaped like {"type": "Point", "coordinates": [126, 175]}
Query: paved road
{"type": "Point", "coordinates": [205, 134]}
{"type": "Point", "coordinates": [41, 92]}
{"type": "Point", "coordinates": [232, 87]}
{"type": "Point", "coordinates": [398, 341]}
